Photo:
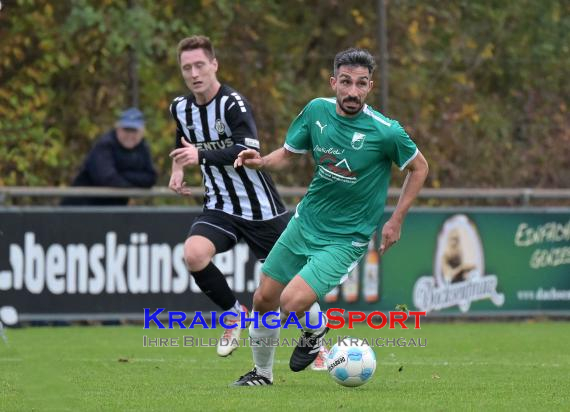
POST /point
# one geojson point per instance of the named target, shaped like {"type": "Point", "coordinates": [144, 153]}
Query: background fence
{"type": "Point", "coordinates": [519, 196]}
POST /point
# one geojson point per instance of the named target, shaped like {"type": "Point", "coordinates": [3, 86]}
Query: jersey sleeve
{"type": "Point", "coordinates": [298, 138]}
{"type": "Point", "coordinates": [179, 133]}
{"type": "Point", "coordinates": [403, 149]}
{"type": "Point", "coordinates": [239, 117]}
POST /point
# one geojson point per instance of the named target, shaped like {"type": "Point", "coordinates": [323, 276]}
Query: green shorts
{"type": "Point", "coordinates": [323, 264]}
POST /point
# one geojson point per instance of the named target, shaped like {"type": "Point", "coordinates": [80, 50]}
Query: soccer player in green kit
{"type": "Point", "coordinates": [353, 147]}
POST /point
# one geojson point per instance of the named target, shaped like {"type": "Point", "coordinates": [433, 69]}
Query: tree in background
{"type": "Point", "coordinates": [482, 85]}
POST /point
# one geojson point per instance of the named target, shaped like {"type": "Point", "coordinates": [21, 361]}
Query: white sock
{"type": "Point", "coordinates": [236, 308]}
{"type": "Point", "coordinates": [314, 314]}
{"type": "Point", "coordinates": [263, 354]}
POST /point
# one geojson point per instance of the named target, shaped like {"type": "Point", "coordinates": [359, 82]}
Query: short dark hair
{"type": "Point", "coordinates": [196, 42]}
{"type": "Point", "coordinates": [354, 57]}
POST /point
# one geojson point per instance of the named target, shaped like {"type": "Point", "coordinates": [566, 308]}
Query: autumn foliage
{"type": "Point", "coordinates": [481, 86]}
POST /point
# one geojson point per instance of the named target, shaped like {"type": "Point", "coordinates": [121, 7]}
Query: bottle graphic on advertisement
{"type": "Point", "coordinates": [371, 273]}
{"type": "Point", "coordinates": [350, 286]}
{"type": "Point", "coordinates": [332, 296]}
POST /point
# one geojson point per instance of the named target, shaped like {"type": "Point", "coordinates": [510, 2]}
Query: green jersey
{"type": "Point", "coordinates": [353, 158]}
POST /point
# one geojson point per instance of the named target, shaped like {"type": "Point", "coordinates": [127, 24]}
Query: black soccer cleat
{"type": "Point", "coordinates": [252, 379]}
{"type": "Point", "coordinates": [307, 350]}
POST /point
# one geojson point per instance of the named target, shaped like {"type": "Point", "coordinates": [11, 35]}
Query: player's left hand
{"type": "Point", "coordinates": [390, 235]}
{"type": "Point", "coordinates": [177, 183]}
{"type": "Point", "coordinates": [185, 156]}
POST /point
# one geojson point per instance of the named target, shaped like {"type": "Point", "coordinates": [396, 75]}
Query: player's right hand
{"type": "Point", "coordinates": [178, 185]}
{"type": "Point", "coordinates": [249, 158]}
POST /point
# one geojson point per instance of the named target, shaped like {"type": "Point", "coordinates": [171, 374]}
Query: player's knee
{"type": "Point", "coordinates": [291, 302]}
{"type": "Point", "coordinates": [195, 262]}
{"type": "Point", "coordinates": [263, 303]}
{"type": "Point", "coordinates": [196, 258]}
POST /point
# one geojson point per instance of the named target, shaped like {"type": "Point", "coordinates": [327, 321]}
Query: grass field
{"type": "Point", "coordinates": [466, 366]}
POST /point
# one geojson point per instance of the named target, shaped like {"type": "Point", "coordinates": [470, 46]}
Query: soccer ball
{"type": "Point", "coordinates": [351, 362]}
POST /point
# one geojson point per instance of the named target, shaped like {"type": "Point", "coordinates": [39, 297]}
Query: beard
{"type": "Point", "coordinates": [350, 110]}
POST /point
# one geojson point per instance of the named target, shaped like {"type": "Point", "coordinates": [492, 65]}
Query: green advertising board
{"type": "Point", "coordinates": [468, 261]}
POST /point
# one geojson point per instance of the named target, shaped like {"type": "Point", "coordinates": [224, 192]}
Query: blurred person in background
{"type": "Point", "coordinates": [120, 158]}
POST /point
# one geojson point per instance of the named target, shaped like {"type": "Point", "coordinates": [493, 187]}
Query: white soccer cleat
{"type": "Point", "coordinates": [320, 362]}
{"type": "Point", "coordinates": [230, 338]}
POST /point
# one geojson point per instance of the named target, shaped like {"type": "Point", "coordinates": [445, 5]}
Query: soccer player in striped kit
{"type": "Point", "coordinates": [214, 124]}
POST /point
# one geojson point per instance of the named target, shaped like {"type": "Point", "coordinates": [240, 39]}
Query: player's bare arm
{"type": "Point", "coordinates": [274, 161]}
{"type": "Point", "coordinates": [417, 172]}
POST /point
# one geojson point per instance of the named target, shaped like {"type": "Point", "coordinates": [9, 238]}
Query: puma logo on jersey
{"type": "Point", "coordinates": [318, 123]}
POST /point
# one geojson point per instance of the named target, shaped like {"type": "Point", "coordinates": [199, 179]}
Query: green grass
{"type": "Point", "coordinates": [465, 366]}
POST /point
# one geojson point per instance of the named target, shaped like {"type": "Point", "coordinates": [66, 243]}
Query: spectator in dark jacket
{"type": "Point", "coordinates": [120, 158]}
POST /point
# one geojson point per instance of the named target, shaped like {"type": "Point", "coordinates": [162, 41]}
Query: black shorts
{"type": "Point", "coordinates": [225, 230]}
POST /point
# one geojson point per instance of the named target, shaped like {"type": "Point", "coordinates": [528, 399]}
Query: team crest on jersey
{"type": "Point", "coordinates": [357, 140]}
{"type": "Point", "coordinates": [220, 128]}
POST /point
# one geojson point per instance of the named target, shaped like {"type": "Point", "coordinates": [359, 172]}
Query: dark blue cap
{"type": "Point", "coordinates": [131, 118]}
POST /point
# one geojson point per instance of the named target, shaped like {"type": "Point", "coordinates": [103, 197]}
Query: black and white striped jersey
{"type": "Point", "coordinates": [220, 130]}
